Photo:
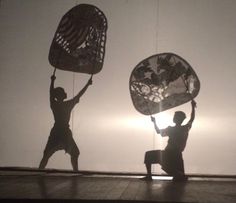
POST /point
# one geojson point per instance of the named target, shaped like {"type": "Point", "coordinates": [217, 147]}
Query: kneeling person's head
{"type": "Point", "coordinates": [179, 117]}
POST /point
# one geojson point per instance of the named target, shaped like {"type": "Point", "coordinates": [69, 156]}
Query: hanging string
{"type": "Point", "coordinates": [156, 49]}
{"type": "Point", "coordinates": [73, 93]}
{"type": "Point", "coordinates": [157, 25]}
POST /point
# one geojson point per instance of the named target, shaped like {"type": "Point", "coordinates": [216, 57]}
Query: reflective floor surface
{"type": "Point", "coordinates": [39, 186]}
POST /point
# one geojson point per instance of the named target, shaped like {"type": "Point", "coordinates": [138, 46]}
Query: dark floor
{"type": "Point", "coordinates": [57, 186]}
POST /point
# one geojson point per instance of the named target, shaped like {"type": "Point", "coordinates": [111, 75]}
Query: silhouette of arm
{"type": "Point", "coordinates": [53, 78]}
{"type": "Point", "coordinates": [193, 103]}
{"type": "Point", "coordinates": [77, 97]}
{"type": "Point", "coordinates": [158, 130]}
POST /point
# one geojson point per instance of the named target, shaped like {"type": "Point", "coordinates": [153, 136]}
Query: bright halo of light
{"type": "Point", "coordinates": [135, 123]}
{"type": "Point", "coordinates": [163, 120]}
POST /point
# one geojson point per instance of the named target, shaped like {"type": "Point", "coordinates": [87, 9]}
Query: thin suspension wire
{"type": "Point", "coordinates": [73, 93]}
{"type": "Point", "coordinates": [156, 49]}
{"type": "Point", "coordinates": [157, 25]}
{"type": "Point", "coordinates": [156, 42]}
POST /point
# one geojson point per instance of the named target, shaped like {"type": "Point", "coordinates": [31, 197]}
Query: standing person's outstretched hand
{"type": "Point", "coordinates": [90, 81]}
{"type": "Point", "coordinates": [53, 77]}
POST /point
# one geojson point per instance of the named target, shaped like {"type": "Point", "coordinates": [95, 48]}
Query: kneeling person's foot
{"type": "Point", "coordinates": [181, 178]}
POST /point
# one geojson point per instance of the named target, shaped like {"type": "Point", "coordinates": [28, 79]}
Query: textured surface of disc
{"type": "Point", "coordinates": [161, 82]}
{"type": "Point", "coordinates": [79, 42]}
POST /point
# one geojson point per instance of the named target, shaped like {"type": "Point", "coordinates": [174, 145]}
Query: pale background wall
{"type": "Point", "coordinates": [111, 134]}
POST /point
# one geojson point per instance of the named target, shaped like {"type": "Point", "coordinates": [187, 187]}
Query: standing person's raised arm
{"type": "Point", "coordinates": [77, 97]}
{"type": "Point", "coordinates": [53, 78]}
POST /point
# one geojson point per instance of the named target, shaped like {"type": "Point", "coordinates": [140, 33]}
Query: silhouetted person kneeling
{"type": "Point", "coordinates": [61, 136]}
{"type": "Point", "coordinates": [170, 158]}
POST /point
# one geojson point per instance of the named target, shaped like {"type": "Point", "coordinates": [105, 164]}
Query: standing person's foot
{"type": "Point", "coordinates": [146, 178]}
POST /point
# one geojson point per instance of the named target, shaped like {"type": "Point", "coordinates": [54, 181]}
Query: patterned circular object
{"type": "Point", "coordinates": [79, 41]}
{"type": "Point", "coordinates": [161, 82]}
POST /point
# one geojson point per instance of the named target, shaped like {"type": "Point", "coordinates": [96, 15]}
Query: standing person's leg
{"type": "Point", "coordinates": [50, 149]}
{"type": "Point", "coordinates": [74, 161]}
{"type": "Point", "coordinates": [181, 164]}
{"type": "Point", "coordinates": [73, 150]}
{"type": "Point", "coordinates": [46, 155]}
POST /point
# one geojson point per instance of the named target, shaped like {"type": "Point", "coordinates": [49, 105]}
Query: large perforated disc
{"type": "Point", "coordinates": [79, 42]}
{"type": "Point", "coordinates": [161, 82]}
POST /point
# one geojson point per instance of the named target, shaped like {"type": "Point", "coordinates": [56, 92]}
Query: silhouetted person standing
{"type": "Point", "coordinates": [61, 136]}
{"type": "Point", "coordinates": [170, 158]}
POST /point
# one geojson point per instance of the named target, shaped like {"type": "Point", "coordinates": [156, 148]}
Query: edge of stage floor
{"type": "Point", "coordinates": [14, 170]}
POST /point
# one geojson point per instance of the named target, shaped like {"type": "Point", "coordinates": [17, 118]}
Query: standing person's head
{"type": "Point", "coordinates": [59, 93]}
{"type": "Point", "coordinates": [179, 117]}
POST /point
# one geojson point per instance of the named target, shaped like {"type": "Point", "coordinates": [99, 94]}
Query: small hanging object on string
{"type": "Point", "coordinates": [161, 82]}
{"type": "Point", "coordinates": [79, 41]}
